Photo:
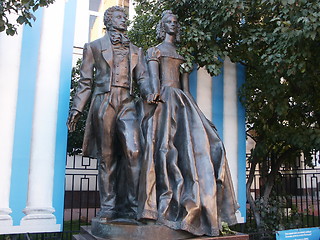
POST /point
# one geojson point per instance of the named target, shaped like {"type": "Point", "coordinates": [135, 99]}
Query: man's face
{"type": "Point", "coordinates": [119, 21]}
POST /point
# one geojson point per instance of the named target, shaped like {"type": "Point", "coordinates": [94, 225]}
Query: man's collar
{"type": "Point", "coordinates": [118, 37]}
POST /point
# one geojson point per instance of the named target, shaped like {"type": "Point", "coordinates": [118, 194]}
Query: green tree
{"type": "Point", "coordinates": [23, 9]}
{"type": "Point", "coordinates": [207, 27]}
{"type": "Point", "coordinates": [279, 43]}
{"type": "Point", "coordinates": [280, 46]}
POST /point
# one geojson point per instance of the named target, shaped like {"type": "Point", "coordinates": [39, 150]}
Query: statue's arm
{"type": "Point", "coordinates": [153, 67]}
{"type": "Point", "coordinates": [145, 78]}
{"type": "Point", "coordinates": [84, 88]}
{"type": "Point", "coordinates": [185, 82]}
{"type": "Point", "coordinates": [142, 75]}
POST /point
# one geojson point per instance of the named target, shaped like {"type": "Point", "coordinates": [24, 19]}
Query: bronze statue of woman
{"type": "Point", "coordinates": [185, 180]}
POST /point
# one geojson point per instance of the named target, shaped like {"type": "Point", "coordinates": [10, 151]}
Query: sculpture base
{"type": "Point", "coordinates": [126, 230]}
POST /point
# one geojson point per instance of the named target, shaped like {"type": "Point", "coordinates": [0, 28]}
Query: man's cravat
{"type": "Point", "coordinates": [117, 37]}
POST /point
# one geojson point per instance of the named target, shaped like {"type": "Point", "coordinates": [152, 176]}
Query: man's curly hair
{"type": "Point", "coordinates": [107, 18]}
{"type": "Point", "coordinates": [161, 33]}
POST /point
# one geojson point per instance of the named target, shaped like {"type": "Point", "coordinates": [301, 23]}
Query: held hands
{"type": "Point", "coordinates": [73, 118]}
{"type": "Point", "coordinates": [154, 98]}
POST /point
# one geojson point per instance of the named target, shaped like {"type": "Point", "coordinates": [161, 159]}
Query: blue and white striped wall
{"type": "Point", "coordinates": [35, 67]}
{"type": "Point", "coordinates": [218, 98]}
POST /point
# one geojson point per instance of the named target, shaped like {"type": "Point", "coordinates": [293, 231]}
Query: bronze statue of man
{"type": "Point", "coordinates": [110, 66]}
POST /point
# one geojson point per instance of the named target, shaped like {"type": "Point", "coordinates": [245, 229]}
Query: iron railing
{"type": "Point", "coordinates": [299, 186]}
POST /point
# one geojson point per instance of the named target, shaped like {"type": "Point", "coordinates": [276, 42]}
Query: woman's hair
{"type": "Point", "coordinates": [107, 18]}
{"type": "Point", "coordinates": [161, 33]}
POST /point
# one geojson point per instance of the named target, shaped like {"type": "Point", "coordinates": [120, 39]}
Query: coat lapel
{"type": "Point", "coordinates": [106, 49]}
{"type": "Point", "coordinates": [107, 54]}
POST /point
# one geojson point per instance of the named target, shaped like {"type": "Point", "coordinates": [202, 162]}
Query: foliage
{"type": "Point", "coordinates": [75, 138]}
{"type": "Point", "coordinates": [279, 43]}
{"type": "Point", "coordinates": [226, 229]}
{"type": "Point", "coordinates": [282, 38]}
{"type": "Point", "coordinates": [206, 30]}
{"type": "Point", "coordinates": [22, 9]}
{"type": "Point", "coordinates": [277, 217]}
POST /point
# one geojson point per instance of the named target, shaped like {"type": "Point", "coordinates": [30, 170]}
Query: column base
{"type": "Point", "coordinates": [5, 218]}
{"type": "Point", "coordinates": [30, 229]}
{"type": "Point", "coordinates": [38, 216]}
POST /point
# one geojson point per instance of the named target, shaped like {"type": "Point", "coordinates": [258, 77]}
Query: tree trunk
{"type": "Point", "coordinates": [272, 176]}
{"type": "Point", "coordinates": [250, 199]}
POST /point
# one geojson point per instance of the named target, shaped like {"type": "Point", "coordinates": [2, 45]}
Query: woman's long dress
{"type": "Point", "coordinates": [185, 179]}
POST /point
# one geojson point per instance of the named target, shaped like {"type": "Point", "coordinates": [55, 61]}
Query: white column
{"type": "Point", "coordinates": [230, 119]}
{"type": "Point", "coordinates": [81, 32]}
{"type": "Point", "coordinates": [10, 49]}
{"type": "Point", "coordinates": [204, 92]}
{"type": "Point", "coordinates": [39, 210]}
{"type": "Point", "coordinates": [132, 11]}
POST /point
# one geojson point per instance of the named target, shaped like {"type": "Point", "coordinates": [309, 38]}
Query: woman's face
{"type": "Point", "coordinates": [171, 25]}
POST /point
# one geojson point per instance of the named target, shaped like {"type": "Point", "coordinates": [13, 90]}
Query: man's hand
{"type": "Point", "coordinates": [73, 118]}
{"type": "Point", "coordinates": [154, 98]}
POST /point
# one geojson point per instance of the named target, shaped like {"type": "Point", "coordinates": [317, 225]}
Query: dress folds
{"type": "Point", "coordinates": [185, 181]}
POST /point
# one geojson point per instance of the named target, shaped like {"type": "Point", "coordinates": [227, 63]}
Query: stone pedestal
{"type": "Point", "coordinates": [123, 230]}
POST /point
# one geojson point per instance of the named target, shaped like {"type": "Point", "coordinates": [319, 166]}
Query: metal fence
{"type": "Point", "coordinates": [295, 200]}
{"type": "Point", "coordinates": [298, 185]}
